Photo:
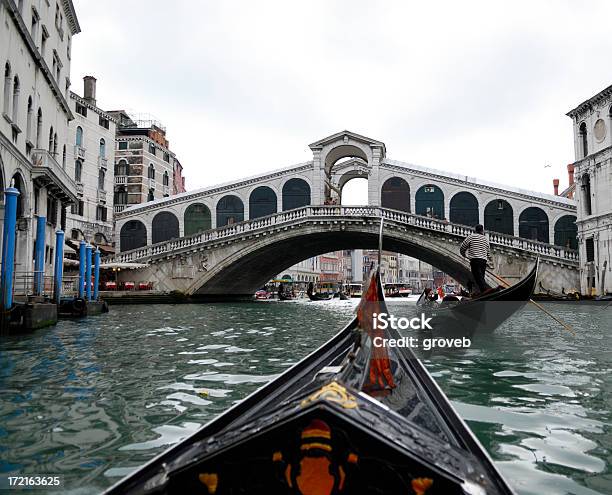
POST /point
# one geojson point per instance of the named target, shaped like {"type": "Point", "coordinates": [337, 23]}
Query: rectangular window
{"type": "Point", "coordinates": [81, 208]}
{"type": "Point", "coordinates": [429, 189]}
{"type": "Point", "coordinates": [43, 41]}
{"type": "Point", "coordinates": [123, 145]}
{"type": "Point", "coordinates": [166, 157]}
{"type": "Point", "coordinates": [590, 249]}
{"type": "Point", "coordinates": [103, 122]}
{"type": "Point", "coordinates": [81, 109]}
{"type": "Point", "coordinates": [152, 149]}
{"type": "Point", "coordinates": [101, 213]}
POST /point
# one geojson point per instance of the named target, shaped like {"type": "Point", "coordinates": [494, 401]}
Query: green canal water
{"type": "Point", "coordinates": [92, 400]}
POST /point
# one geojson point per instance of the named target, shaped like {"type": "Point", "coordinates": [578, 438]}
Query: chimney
{"type": "Point", "coordinates": [570, 173]}
{"type": "Point", "coordinates": [89, 89]}
{"type": "Point", "coordinates": [556, 186]}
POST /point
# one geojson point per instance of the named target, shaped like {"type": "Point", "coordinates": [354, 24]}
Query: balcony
{"type": "Point", "coordinates": [101, 195]}
{"type": "Point", "coordinates": [120, 179]}
{"type": "Point", "coordinates": [102, 162]}
{"type": "Point", "coordinates": [79, 152]}
{"type": "Point", "coordinates": [118, 208]}
{"type": "Point", "coordinates": [166, 190]}
{"type": "Point", "coordinates": [46, 172]}
{"type": "Point", "coordinates": [151, 183]}
{"type": "Point", "coordinates": [79, 187]}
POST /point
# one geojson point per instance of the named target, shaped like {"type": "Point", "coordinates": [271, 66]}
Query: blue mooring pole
{"type": "Point", "coordinates": [88, 271]}
{"type": "Point", "coordinates": [58, 274]}
{"type": "Point", "coordinates": [96, 273]}
{"type": "Point", "coordinates": [39, 256]}
{"type": "Point", "coordinates": [8, 247]}
{"type": "Point", "coordinates": [81, 269]}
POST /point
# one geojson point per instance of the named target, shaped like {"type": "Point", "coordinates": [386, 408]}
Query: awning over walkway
{"type": "Point", "coordinates": [122, 266]}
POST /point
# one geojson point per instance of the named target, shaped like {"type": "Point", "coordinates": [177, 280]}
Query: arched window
{"type": "Point", "coordinates": [296, 193]}
{"type": "Point", "coordinates": [39, 126]}
{"type": "Point", "coordinates": [584, 139]}
{"type": "Point", "coordinates": [55, 144]}
{"type": "Point", "coordinates": [102, 148]}
{"type": "Point", "coordinates": [121, 196]}
{"type": "Point", "coordinates": [64, 157]}
{"type": "Point", "coordinates": [121, 168]}
{"type": "Point", "coordinates": [151, 171]}
{"type": "Point", "coordinates": [15, 98]}
{"type": "Point", "coordinates": [165, 227]}
{"type": "Point", "coordinates": [230, 210]}
{"type": "Point", "coordinates": [133, 235]}
{"type": "Point", "coordinates": [151, 195]}
{"type": "Point", "coordinates": [464, 209]}
{"type": "Point", "coordinates": [78, 170]}
{"type": "Point", "coordinates": [197, 219]}
{"type": "Point", "coordinates": [7, 88]}
{"type": "Point", "coordinates": [76, 234]}
{"type": "Point", "coordinates": [395, 194]}
{"type": "Point", "coordinates": [533, 224]}
{"type": "Point", "coordinates": [585, 187]}
{"type": "Point", "coordinates": [29, 118]}
{"type": "Point", "coordinates": [566, 232]}
{"type": "Point", "coordinates": [100, 238]}
{"type": "Point", "coordinates": [166, 179]}
{"type": "Point", "coordinates": [499, 217]}
{"type": "Point", "coordinates": [262, 202]}
{"type": "Point", "coordinates": [51, 139]}
{"type": "Point", "coordinates": [20, 186]}
{"type": "Point", "coordinates": [101, 177]}
{"type": "Point", "coordinates": [429, 201]}
{"type": "Point", "coordinates": [79, 136]}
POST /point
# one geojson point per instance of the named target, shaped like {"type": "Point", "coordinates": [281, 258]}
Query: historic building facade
{"type": "Point", "coordinates": [592, 169]}
{"type": "Point", "coordinates": [144, 165]}
{"type": "Point", "coordinates": [35, 53]}
{"type": "Point", "coordinates": [91, 155]}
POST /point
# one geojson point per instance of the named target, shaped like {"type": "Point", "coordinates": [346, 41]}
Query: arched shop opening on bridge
{"type": "Point", "coordinates": [165, 226]}
{"type": "Point", "coordinates": [133, 235]}
{"type": "Point", "coordinates": [296, 193]}
{"type": "Point", "coordinates": [464, 209]}
{"type": "Point", "coordinates": [395, 194]}
{"type": "Point", "coordinates": [566, 232]}
{"type": "Point", "coordinates": [499, 217]}
{"type": "Point", "coordinates": [533, 224]}
{"type": "Point", "coordinates": [197, 218]}
{"type": "Point", "coordinates": [429, 201]}
{"type": "Point", "coordinates": [230, 210]}
{"type": "Point", "coordinates": [262, 202]}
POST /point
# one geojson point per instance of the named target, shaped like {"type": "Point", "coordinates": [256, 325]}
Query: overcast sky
{"type": "Point", "coordinates": [479, 88]}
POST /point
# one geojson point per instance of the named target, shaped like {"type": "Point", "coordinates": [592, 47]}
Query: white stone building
{"type": "Point", "coordinates": [593, 177]}
{"type": "Point", "coordinates": [91, 155]}
{"type": "Point", "coordinates": [35, 52]}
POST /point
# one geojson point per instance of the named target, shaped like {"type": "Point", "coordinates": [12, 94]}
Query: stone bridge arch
{"type": "Point", "coordinates": [273, 254]}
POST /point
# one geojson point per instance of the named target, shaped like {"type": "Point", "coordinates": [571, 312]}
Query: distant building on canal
{"type": "Point", "coordinates": [91, 155]}
{"type": "Point", "coordinates": [593, 190]}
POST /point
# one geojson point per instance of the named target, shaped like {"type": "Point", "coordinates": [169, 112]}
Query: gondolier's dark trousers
{"type": "Point", "coordinates": [479, 267]}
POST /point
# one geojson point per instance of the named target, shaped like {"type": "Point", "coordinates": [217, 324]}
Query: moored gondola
{"type": "Point", "coordinates": [354, 416]}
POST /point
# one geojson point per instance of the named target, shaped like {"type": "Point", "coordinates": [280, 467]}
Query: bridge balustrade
{"type": "Point", "coordinates": [328, 211]}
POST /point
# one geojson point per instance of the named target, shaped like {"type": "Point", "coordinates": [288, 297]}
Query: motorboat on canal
{"type": "Point", "coordinates": [352, 417]}
{"type": "Point", "coordinates": [318, 296]}
{"type": "Point", "coordinates": [484, 312]}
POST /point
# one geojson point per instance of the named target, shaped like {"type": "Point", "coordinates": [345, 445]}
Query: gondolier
{"type": "Point", "coordinates": [476, 248]}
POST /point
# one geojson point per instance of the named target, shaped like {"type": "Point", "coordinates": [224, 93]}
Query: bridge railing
{"type": "Point", "coordinates": [370, 212]}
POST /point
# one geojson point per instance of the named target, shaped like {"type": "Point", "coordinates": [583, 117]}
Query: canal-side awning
{"type": "Point", "coordinates": [122, 266]}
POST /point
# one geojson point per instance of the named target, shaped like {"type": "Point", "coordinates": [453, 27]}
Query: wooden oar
{"type": "Point", "coordinates": [539, 306]}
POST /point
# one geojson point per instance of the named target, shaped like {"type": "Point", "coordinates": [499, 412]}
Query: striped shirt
{"type": "Point", "coordinates": [475, 246]}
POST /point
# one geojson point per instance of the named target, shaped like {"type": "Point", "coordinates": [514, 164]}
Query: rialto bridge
{"type": "Point", "coordinates": [230, 238]}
